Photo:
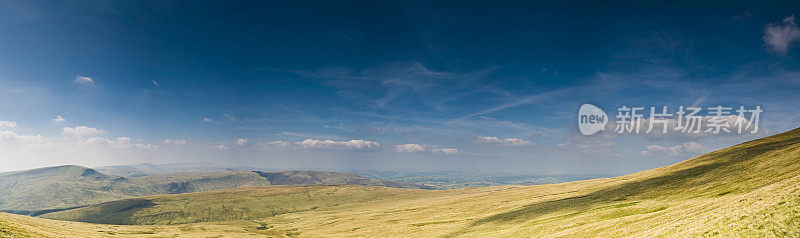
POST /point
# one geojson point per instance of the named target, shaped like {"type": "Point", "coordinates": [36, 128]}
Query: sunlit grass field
{"type": "Point", "coordinates": [24, 226]}
{"type": "Point", "coordinates": [751, 189]}
{"type": "Point", "coordinates": [229, 205]}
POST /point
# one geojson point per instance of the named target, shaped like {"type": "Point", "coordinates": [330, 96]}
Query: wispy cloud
{"type": "Point", "coordinates": [173, 142]}
{"type": "Point", "coordinates": [310, 136]}
{"type": "Point", "coordinates": [59, 119]}
{"type": "Point", "coordinates": [418, 148]}
{"type": "Point", "coordinates": [506, 141]}
{"type": "Point", "coordinates": [780, 36]}
{"type": "Point", "coordinates": [688, 148]}
{"type": "Point", "coordinates": [347, 145]}
{"type": "Point", "coordinates": [448, 151]}
{"type": "Point", "coordinates": [409, 148]}
{"type": "Point", "coordinates": [229, 116]}
{"type": "Point", "coordinates": [10, 137]}
{"type": "Point", "coordinates": [81, 131]}
{"type": "Point", "coordinates": [8, 124]}
{"type": "Point", "coordinates": [519, 101]}
{"type": "Point", "coordinates": [383, 85]}
{"type": "Point", "coordinates": [84, 80]}
{"type": "Point", "coordinates": [83, 138]}
{"type": "Point", "coordinates": [356, 145]}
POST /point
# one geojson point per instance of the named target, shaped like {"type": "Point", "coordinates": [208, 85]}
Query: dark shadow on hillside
{"type": "Point", "coordinates": [114, 212]}
{"type": "Point", "coordinates": [34, 213]}
{"type": "Point", "coordinates": [135, 204]}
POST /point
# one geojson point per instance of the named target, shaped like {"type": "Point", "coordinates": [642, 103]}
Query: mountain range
{"type": "Point", "coordinates": [749, 190]}
{"type": "Point", "coordinates": [37, 191]}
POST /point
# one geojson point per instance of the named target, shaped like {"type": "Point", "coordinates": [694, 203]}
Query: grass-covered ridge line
{"type": "Point", "coordinates": [227, 205]}
{"type": "Point", "coordinates": [44, 190]}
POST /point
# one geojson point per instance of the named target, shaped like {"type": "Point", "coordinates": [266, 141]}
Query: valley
{"type": "Point", "coordinates": [748, 189]}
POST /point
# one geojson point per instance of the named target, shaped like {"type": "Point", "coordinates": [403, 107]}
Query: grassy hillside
{"type": "Point", "coordinates": [58, 187]}
{"type": "Point", "coordinates": [228, 205]}
{"type": "Point", "coordinates": [24, 226]}
{"type": "Point", "coordinates": [46, 189]}
{"type": "Point", "coordinates": [749, 189]}
{"type": "Point", "coordinates": [69, 186]}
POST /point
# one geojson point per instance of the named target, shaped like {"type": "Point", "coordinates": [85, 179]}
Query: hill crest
{"type": "Point", "coordinates": [60, 187]}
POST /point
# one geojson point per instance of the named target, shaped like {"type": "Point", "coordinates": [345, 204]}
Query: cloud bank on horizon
{"type": "Point", "coordinates": [417, 86]}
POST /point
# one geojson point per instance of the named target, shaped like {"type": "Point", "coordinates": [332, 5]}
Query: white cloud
{"type": "Point", "coordinates": [221, 147]}
{"type": "Point", "coordinates": [205, 119]}
{"type": "Point", "coordinates": [489, 139]}
{"type": "Point", "coordinates": [688, 148]}
{"type": "Point", "coordinates": [409, 148]}
{"type": "Point", "coordinates": [84, 80]}
{"type": "Point", "coordinates": [515, 141]}
{"type": "Point", "coordinates": [229, 116]}
{"type": "Point", "coordinates": [356, 145]}
{"type": "Point", "coordinates": [651, 150]}
{"type": "Point", "coordinates": [8, 124]}
{"type": "Point", "coordinates": [174, 142]}
{"type": "Point", "coordinates": [241, 142]}
{"type": "Point", "coordinates": [59, 119]}
{"type": "Point", "coordinates": [97, 143]}
{"type": "Point", "coordinates": [780, 36]}
{"type": "Point", "coordinates": [331, 144]}
{"type": "Point", "coordinates": [125, 143]}
{"type": "Point", "coordinates": [84, 138]}
{"type": "Point", "coordinates": [601, 143]}
{"type": "Point", "coordinates": [506, 141]}
{"type": "Point", "coordinates": [446, 151]}
{"type": "Point", "coordinates": [11, 137]}
{"type": "Point", "coordinates": [81, 131]}
{"type": "Point", "coordinates": [277, 143]}
{"type": "Point", "coordinates": [147, 146]}
{"type": "Point", "coordinates": [123, 140]}
{"type": "Point", "coordinates": [693, 147]}
{"type": "Point", "coordinates": [96, 140]}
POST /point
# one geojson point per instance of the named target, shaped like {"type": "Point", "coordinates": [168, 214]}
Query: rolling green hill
{"type": "Point", "coordinates": [749, 189]}
{"type": "Point", "coordinates": [43, 190]}
{"type": "Point", "coordinates": [144, 169]}
{"type": "Point", "coordinates": [228, 205]}
{"type": "Point", "coordinates": [12, 225]}
{"type": "Point", "coordinates": [60, 187]}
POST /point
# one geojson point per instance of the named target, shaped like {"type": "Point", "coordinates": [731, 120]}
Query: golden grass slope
{"type": "Point", "coordinates": [12, 225]}
{"type": "Point", "coordinates": [749, 189]}
{"type": "Point", "coordinates": [228, 205]}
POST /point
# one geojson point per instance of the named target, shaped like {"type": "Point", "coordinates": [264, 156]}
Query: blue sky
{"type": "Point", "coordinates": [380, 85]}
